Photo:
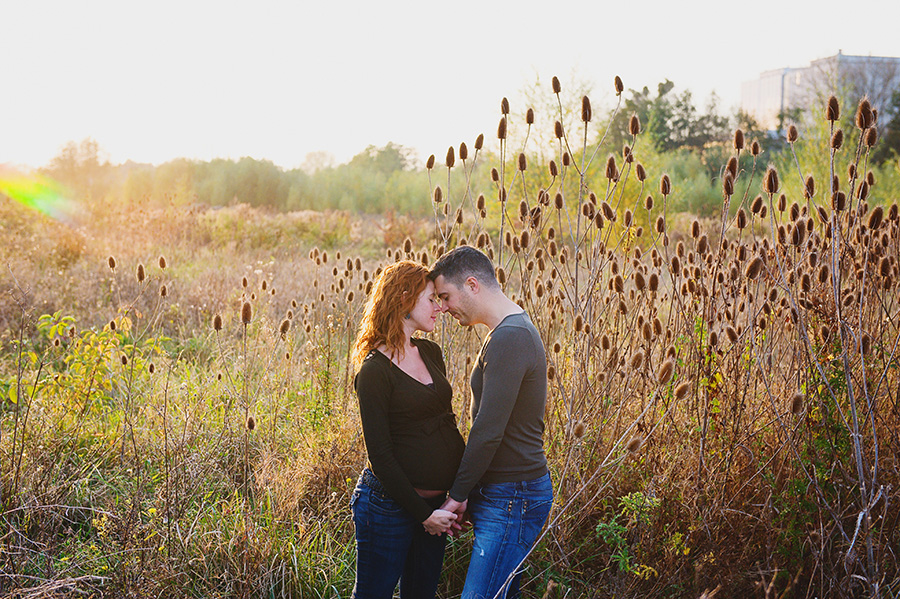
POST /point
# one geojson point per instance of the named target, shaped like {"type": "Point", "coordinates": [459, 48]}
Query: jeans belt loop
{"type": "Point", "coordinates": [371, 481]}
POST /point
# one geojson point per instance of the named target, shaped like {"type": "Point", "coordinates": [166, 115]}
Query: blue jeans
{"type": "Point", "coordinates": [507, 519]}
{"type": "Point", "coordinates": [392, 546]}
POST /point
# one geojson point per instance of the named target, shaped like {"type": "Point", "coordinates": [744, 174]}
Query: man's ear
{"type": "Point", "coordinates": [472, 284]}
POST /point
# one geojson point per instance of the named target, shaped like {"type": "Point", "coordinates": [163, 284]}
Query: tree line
{"type": "Point", "coordinates": [690, 142]}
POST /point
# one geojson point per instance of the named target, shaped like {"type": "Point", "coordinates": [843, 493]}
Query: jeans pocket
{"type": "Point", "coordinates": [384, 505]}
{"type": "Point", "coordinates": [534, 515]}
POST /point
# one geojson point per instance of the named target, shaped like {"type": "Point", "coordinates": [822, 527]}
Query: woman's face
{"type": "Point", "coordinates": [423, 315]}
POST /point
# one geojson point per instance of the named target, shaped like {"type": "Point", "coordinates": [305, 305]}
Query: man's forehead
{"type": "Point", "coordinates": [442, 285]}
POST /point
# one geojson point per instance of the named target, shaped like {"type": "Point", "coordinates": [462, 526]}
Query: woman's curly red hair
{"type": "Point", "coordinates": [393, 296]}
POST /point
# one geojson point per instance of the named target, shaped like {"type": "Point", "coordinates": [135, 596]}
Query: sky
{"type": "Point", "coordinates": [281, 80]}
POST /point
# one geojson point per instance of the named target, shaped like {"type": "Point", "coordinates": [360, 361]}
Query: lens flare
{"type": "Point", "coordinates": [40, 193]}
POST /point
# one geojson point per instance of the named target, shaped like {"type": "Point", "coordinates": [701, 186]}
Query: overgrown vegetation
{"type": "Point", "coordinates": [178, 417]}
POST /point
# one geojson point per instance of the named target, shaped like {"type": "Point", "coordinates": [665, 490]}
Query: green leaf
{"type": "Point", "coordinates": [13, 396]}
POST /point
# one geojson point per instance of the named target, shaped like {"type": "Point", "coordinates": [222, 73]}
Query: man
{"type": "Point", "coordinates": [503, 480]}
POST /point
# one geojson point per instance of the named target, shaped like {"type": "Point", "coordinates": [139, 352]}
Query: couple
{"type": "Point", "coordinates": [423, 480]}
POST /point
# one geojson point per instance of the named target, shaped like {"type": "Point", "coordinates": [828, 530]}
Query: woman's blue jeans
{"type": "Point", "coordinates": [506, 519]}
{"type": "Point", "coordinates": [392, 546]}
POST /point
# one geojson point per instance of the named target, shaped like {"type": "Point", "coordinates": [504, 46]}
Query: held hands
{"type": "Point", "coordinates": [440, 521]}
{"type": "Point", "coordinates": [459, 509]}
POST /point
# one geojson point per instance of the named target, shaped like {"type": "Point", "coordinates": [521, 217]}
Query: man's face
{"type": "Point", "coordinates": [457, 301]}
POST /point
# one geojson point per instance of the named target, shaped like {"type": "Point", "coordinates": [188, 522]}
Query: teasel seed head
{"type": "Point", "coordinates": [566, 159]}
{"type": "Point", "coordinates": [637, 360]}
{"type": "Point", "coordinates": [578, 429]}
{"type": "Point", "coordinates": [755, 148]}
{"type": "Point", "coordinates": [163, 291]}
{"type": "Point", "coordinates": [504, 106]}
{"type": "Point", "coordinates": [152, 368]}
{"type": "Point", "coordinates": [754, 268]}
{"type": "Point", "coordinates": [741, 219]}
{"type": "Point", "coordinates": [875, 218]}
{"type": "Point", "coordinates": [792, 134]}
{"type": "Point", "coordinates": [605, 343]}
{"type": "Point", "coordinates": [809, 187]}
{"type": "Point", "coordinates": [463, 151]}
{"type": "Point", "coordinates": [871, 136]}
{"type": "Point", "coordinates": [635, 444]}
{"type": "Point", "coordinates": [865, 118]}
{"type": "Point", "coordinates": [217, 322]}
{"type": "Point", "coordinates": [579, 323]}
{"type": "Point", "coordinates": [728, 185]}
{"type": "Point", "coordinates": [558, 130]}
{"type": "Point", "coordinates": [837, 139]}
{"type": "Point", "coordinates": [495, 175]}
{"type": "Point", "coordinates": [140, 275]}
{"type": "Point", "coordinates": [833, 110]}
{"type": "Point", "coordinates": [770, 182]}
{"type": "Point", "coordinates": [479, 141]}
{"type": "Point", "coordinates": [429, 164]}
{"type": "Point", "coordinates": [797, 403]}
{"type": "Point", "coordinates": [665, 185]}
{"type": "Point", "coordinates": [555, 84]}
{"type": "Point", "coordinates": [111, 261]}
{"type": "Point", "coordinates": [612, 172]}
{"type": "Point", "coordinates": [523, 163]}
{"type": "Point", "coordinates": [450, 160]}
{"type": "Point", "coordinates": [866, 344]}
{"type": "Point", "coordinates": [286, 326]}
{"type": "Point", "coordinates": [839, 201]}
{"type": "Point", "coordinates": [251, 423]}
{"type": "Point", "coordinates": [501, 128]}
{"type": "Point", "coordinates": [634, 125]}
{"type": "Point", "coordinates": [529, 116]}
{"type": "Point", "coordinates": [682, 389]}
{"type": "Point", "coordinates": [124, 359]}
{"type": "Point", "coordinates": [585, 109]}
{"type": "Point", "coordinates": [640, 172]}
{"type": "Point", "coordinates": [617, 82]}
{"type": "Point", "coordinates": [246, 313]}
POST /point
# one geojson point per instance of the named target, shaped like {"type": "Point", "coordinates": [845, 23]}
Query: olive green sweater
{"type": "Point", "coordinates": [509, 392]}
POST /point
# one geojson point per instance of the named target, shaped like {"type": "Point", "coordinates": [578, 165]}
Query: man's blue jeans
{"type": "Point", "coordinates": [392, 546]}
{"type": "Point", "coordinates": [507, 519]}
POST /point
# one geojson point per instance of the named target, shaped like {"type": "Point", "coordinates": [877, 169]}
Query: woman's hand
{"type": "Point", "coordinates": [439, 522]}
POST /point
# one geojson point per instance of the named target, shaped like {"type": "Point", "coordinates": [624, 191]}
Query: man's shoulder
{"type": "Point", "coordinates": [516, 329]}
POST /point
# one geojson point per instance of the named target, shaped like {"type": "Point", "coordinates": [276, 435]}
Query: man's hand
{"type": "Point", "coordinates": [439, 522]}
{"type": "Point", "coordinates": [458, 508]}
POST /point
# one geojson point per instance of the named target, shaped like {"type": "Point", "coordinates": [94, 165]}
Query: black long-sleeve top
{"type": "Point", "coordinates": [409, 427]}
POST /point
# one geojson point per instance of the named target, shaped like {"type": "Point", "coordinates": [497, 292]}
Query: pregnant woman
{"type": "Point", "coordinates": [414, 447]}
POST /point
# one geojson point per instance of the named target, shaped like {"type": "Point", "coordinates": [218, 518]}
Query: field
{"type": "Point", "coordinates": [178, 416]}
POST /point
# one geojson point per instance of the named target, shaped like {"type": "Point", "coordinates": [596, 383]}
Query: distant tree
{"type": "Point", "coordinates": [888, 147]}
{"type": "Point", "coordinates": [316, 161]}
{"type": "Point", "coordinates": [384, 160]}
{"type": "Point", "coordinates": [81, 168]}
